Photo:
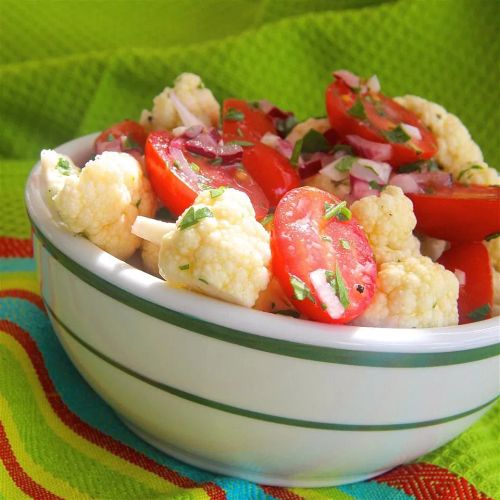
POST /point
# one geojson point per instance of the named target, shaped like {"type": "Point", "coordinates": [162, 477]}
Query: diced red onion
{"type": "Point", "coordinates": [215, 135]}
{"type": "Point", "coordinates": [309, 168]}
{"type": "Point", "coordinates": [369, 149]}
{"type": "Point", "coordinates": [188, 118]}
{"type": "Point", "coordinates": [412, 131]}
{"type": "Point", "coordinates": [274, 141]}
{"type": "Point", "coordinates": [406, 182]}
{"type": "Point", "coordinates": [182, 164]}
{"type": "Point", "coordinates": [349, 78]}
{"type": "Point", "coordinates": [331, 136]}
{"type": "Point", "coordinates": [203, 145]}
{"type": "Point", "coordinates": [369, 170]}
{"type": "Point", "coordinates": [437, 178]}
{"type": "Point", "coordinates": [270, 140]}
{"type": "Point", "coordinates": [230, 153]}
{"type": "Point", "coordinates": [373, 84]}
{"type": "Point", "coordinates": [361, 189]}
{"type": "Point", "coordinates": [460, 277]}
{"type": "Point", "coordinates": [326, 293]}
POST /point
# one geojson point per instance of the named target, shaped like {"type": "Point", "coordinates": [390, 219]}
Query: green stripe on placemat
{"type": "Point", "coordinates": [267, 344]}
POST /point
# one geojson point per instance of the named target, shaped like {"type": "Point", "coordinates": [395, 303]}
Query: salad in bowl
{"type": "Point", "coordinates": [383, 213]}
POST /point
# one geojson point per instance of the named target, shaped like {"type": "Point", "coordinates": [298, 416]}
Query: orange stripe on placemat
{"type": "Point", "coordinates": [281, 493]}
{"type": "Point", "coordinates": [425, 481]}
{"type": "Point", "coordinates": [18, 475]}
{"type": "Point", "coordinates": [25, 295]}
{"type": "Point", "coordinates": [16, 247]}
{"type": "Point", "coordinates": [92, 434]}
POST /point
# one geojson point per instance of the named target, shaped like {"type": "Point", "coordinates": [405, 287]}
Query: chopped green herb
{"type": "Point", "coordinates": [234, 115]}
{"type": "Point", "coordinates": [410, 167]}
{"type": "Point", "coordinates": [214, 193]}
{"type": "Point", "coordinates": [63, 166]}
{"type": "Point", "coordinates": [193, 216]}
{"type": "Point", "coordinates": [194, 167]}
{"type": "Point", "coordinates": [340, 211]}
{"type": "Point", "coordinates": [203, 280]}
{"type": "Point", "coordinates": [204, 186]}
{"type": "Point", "coordinates": [110, 138]}
{"type": "Point", "coordinates": [432, 165]}
{"type": "Point", "coordinates": [138, 203]}
{"type": "Point", "coordinates": [472, 167]}
{"type": "Point", "coordinates": [345, 163]}
{"type": "Point", "coordinates": [376, 185]}
{"type": "Point", "coordinates": [300, 289]}
{"type": "Point", "coordinates": [216, 161]}
{"type": "Point", "coordinates": [284, 126]}
{"type": "Point", "coordinates": [357, 110]}
{"type": "Point", "coordinates": [239, 131]}
{"type": "Point", "coordinates": [129, 143]}
{"type": "Point", "coordinates": [184, 267]}
{"type": "Point", "coordinates": [397, 135]}
{"type": "Point", "coordinates": [336, 281]}
{"type": "Point", "coordinates": [163, 214]}
{"type": "Point", "coordinates": [480, 313]}
{"type": "Point", "coordinates": [288, 312]}
{"type": "Point", "coordinates": [177, 164]}
{"type": "Point", "coordinates": [297, 149]}
{"type": "Point", "coordinates": [314, 141]}
{"type": "Point", "coordinates": [327, 238]}
{"type": "Point", "coordinates": [323, 306]}
{"type": "Point", "coordinates": [345, 244]}
{"type": "Point", "coordinates": [273, 305]}
{"type": "Point", "coordinates": [267, 219]}
{"type": "Point", "coordinates": [492, 236]}
{"type": "Point", "coordinates": [342, 147]}
{"type": "Point", "coordinates": [429, 190]}
{"type": "Point", "coordinates": [241, 143]}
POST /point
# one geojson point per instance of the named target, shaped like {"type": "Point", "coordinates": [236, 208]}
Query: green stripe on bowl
{"type": "Point", "coordinates": [254, 414]}
{"type": "Point", "coordinates": [262, 343]}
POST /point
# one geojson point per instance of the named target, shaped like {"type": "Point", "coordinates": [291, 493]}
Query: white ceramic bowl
{"type": "Point", "coordinates": [241, 392]}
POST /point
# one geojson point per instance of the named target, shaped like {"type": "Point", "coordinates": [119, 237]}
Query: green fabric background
{"type": "Point", "coordinates": [74, 67]}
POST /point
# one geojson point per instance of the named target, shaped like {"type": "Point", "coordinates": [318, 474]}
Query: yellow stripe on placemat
{"type": "Point", "coordinates": [83, 446]}
{"type": "Point", "coordinates": [321, 494]}
{"type": "Point", "coordinates": [26, 280]}
{"type": "Point", "coordinates": [8, 488]}
{"type": "Point", "coordinates": [56, 485]}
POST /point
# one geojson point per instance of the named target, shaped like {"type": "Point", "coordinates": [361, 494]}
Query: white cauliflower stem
{"type": "Point", "coordinates": [190, 90]}
{"type": "Point", "coordinates": [100, 201]}
{"type": "Point", "coordinates": [415, 292]}
{"type": "Point", "coordinates": [388, 221]}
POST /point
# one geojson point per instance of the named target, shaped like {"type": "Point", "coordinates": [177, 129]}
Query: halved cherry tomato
{"type": "Point", "coordinates": [272, 171]}
{"type": "Point", "coordinates": [325, 266]}
{"type": "Point", "coordinates": [475, 299]}
{"type": "Point", "coordinates": [459, 212]}
{"type": "Point", "coordinates": [374, 117]}
{"type": "Point", "coordinates": [177, 176]}
{"type": "Point", "coordinates": [125, 136]}
{"type": "Point", "coordinates": [243, 122]}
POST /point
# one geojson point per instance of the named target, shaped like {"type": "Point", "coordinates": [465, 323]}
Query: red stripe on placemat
{"type": "Point", "coordinates": [430, 482]}
{"type": "Point", "coordinates": [25, 295]}
{"type": "Point", "coordinates": [281, 493]}
{"type": "Point", "coordinates": [19, 476]}
{"type": "Point", "coordinates": [92, 434]}
{"type": "Point", "coordinates": [16, 247]}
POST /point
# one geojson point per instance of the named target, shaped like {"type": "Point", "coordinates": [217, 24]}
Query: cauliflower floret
{"type": "Point", "coordinates": [100, 201]}
{"type": "Point", "coordinates": [388, 221]}
{"type": "Point", "coordinates": [493, 247]}
{"type": "Point", "coordinates": [433, 247]}
{"type": "Point", "coordinates": [273, 299]}
{"type": "Point", "coordinates": [189, 88]}
{"type": "Point", "coordinates": [321, 181]}
{"type": "Point", "coordinates": [496, 293]}
{"type": "Point", "coordinates": [414, 292]}
{"type": "Point", "coordinates": [150, 255]}
{"type": "Point", "coordinates": [456, 149]}
{"type": "Point", "coordinates": [300, 130]}
{"type": "Point", "coordinates": [223, 252]}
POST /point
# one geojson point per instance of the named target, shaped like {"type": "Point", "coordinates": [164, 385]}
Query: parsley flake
{"type": "Point", "coordinates": [492, 236]}
{"type": "Point", "coordinates": [345, 244]}
{"type": "Point", "coordinates": [138, 202]}
{"type": "Point", "coordinates": [129, 143]}
{"type": "Point", "coordinates": [194, 167]}
{"type": "Point", "coordinates": [396, 135]}
{"type": "Point", "coordinates": [193, 216]}
{"type": "Point", "coordinates": [472, 167]}
{"type": "Point", "coordinates": [214, 193]}
{"type": "Point", "coordinates": [342, 147]}
{"type": "Point", "coordinates": [336, 281]}
{"type": "Point", "coordinates": [375, 185]}
{"type": "Point", "coordinates": [239, 131]}
{"type": "Point", "coordinates": [314, 141]}
{"type": "Point", "coordinates": [241, 143]}
{"type": "Point", "coordinates": [297, 149]}
{"type": "Point", "coordinates": [288, 312]}
{"type": "Point", "coordinates": [339, 211]}
{"type": "Point", "coordinates": [203, 280]}
{"type": "Point", "coordinates": [267, 219]}
{"type": "Point", "coordinates": [63, 166]}
{"type": "Point", "coordinates": [216, 161]}
{"type": "Point", "coordinates": [327, 238]}
{"type": "Point", "coordinates": [345, 163]}
{"type": "Point", "coordinates": [300, 289]}
{"type": "Point", "coordinates": [410, 167]}
{"type": "Point", "coordinates": [184, 267]}
{"type": "Point", "coordinates": [110, 138]}
{"type": "Point", "coordinates": [234, 115]}
{"type": "Point", "coordinates": [357, 110]}
{"type": "Point", "coordinates": [480, 313]}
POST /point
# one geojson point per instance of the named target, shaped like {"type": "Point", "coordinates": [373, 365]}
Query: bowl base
{"type": "Point", "coordinates": [254, 477]}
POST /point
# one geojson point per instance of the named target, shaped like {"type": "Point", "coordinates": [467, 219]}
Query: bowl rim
{"type": "Point", "coordinates": [367, 346]}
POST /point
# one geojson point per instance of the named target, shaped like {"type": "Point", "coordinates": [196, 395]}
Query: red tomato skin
{"type": "Point", "coordinates": [305, 205]}
{"type": "Point", "coordinates": [126, 128]}
{"type": "Point", "coordinates": [177, 194]}
{"type": "Point", "coordinates": [271, 170]}
{"type": "Point", "coordinates": [458, 213]}
{"type": "Point", "coordinates": [472, 258]}
{"type": "Point", "coordinates": [254, 125]}
{"type": "Point", "coordinates": [340, 98]}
